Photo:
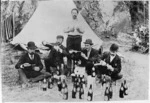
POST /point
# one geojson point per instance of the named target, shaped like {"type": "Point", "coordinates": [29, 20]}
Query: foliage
{"type": "Point", "coordinates": [22, 11]}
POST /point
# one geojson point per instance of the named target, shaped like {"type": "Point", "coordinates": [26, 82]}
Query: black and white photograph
{"type": "Point", "coordinates": [74, 50]}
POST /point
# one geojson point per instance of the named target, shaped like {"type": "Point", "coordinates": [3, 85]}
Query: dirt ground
{"type": "Point", "coordinates": [135, 70]}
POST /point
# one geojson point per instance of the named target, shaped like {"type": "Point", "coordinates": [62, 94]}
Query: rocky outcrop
{"type": "Point", "coordinates": [22, 11]}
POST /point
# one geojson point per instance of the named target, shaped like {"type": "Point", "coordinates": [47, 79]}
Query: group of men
{"type": "Point", "coordinates": [30, 66]}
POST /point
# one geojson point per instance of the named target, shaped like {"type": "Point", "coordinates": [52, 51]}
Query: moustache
{"type": "Point", "coordinates": [74, 16]}
{"type": "Point", "coordinates": [32, 53]}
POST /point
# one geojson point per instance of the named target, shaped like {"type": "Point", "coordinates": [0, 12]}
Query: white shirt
{"type": "Point", "coordinates": [112, 57]}
{"type": "Point", "coordinates": [72, 29]}
{"type": "Point", "coordinates": [31, 57]}
{"type": "Point", "coordinates": [88, 53]}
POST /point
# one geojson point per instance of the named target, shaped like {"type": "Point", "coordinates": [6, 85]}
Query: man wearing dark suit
{"type": "Point", "coordinates": [57, 55]}
{"type": "Point", "coordinates": [110, 63]}
{"type": "Point", "coordinates": [29, 66]}
{"type": "Point", "coordinates": [89, 56]}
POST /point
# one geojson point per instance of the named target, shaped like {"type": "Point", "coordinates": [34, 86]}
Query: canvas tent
{"type": "Point", "coordinates": [49, 20]}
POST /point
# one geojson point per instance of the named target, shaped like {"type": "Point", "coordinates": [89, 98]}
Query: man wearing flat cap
{"type": "Point", "coordinates": [29, 66]}
{"type": "Point", "coordinates": [90, 55]}
{"type": "Point", "coordinates": [57, 55]}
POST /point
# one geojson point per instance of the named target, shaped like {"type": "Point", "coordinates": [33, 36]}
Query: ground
{"type": "Point", "coordinates": [135, 70]}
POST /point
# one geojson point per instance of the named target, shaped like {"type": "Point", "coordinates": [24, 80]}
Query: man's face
{"type": "Point", "coordinates": [74, 14]}
{"type": "Point", "coordinates": [31, 51]}
{"type": "Point", "coordinates": [87, 47]}
{"type": "Point", "coordinates": [113, 52]}
{"type": "Point", "coordinates": [59, 40]}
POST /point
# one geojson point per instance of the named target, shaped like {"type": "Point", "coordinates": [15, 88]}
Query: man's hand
{"type": "Point", "coordinates": [96, 64]}
{"type": "Point", "coordinates": [26, 65]}
{"type": "Point", "coordinates": [56, 47]}
{"type": "Point", "coordinates": [60, 50]}
{"type": "Point", "coordinates": [110, 67]}
{"type": "Point", "coordinates": [71, 51]}
{"type": "Point", "coordinates": [103, 63]}
{"type": "Point", "coordinates": [84, 56]}
{"type": "Point", "coordinates": [44, 42]}
{"type": "Point", "coordinates": [36, 68]}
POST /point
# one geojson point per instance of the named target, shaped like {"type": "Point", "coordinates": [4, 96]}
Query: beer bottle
{"type": "Point", "coordinates": [104, 80]}
{"type": "Point", "coordinates": [125, 88]}
{"type": "Point", "coordinates": [59, 84]}
{"type": "Point", "coordinates": [106, 94]}
{"type": "Point", "coordinates": [81, 76]}
{"type": "Point", "coordinates": [81, 92]}
{"type": "Point", "coordinates": [73, 77]}
{"type": "Point", "coordinates": [78, 87]}
{"type": "Point", "coordinates": [77, 83]}
{"type": "Point", "coordinates": [62, 66]}
{"type": "Point", "coordinates": [40, 85]}
{"type": "Point", "coordinates": [63, 86]}
{"type": "Point", "coordinates": [93, 74]}
{"type": "Point", "coordinates": [121, 91]}
{"type": "Point", "coordinates": [110, 91]}
{"type": "Point", "coordinates": [83, 81]}
{"type": "Point", "coordinates": [44, 84]}
{"type": "Point", "coordinates": [93, 69]}
{"type": "Point", "coordinates": [79, 79]}
{"type": "Point", "coordinates": [50, 84]}
{"type": "Point", "coordinates": [75, 80]}
{"type": "Point", "coordinates": [74, 90]}
{"type": "Point", "coordinates": [65, 95]}
{"type": "Point", "coordinates": [58, 71]}
{"type": "Point", "coordinates": [90, 94]}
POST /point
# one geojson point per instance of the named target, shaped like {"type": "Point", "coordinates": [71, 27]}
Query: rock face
{"type": "Point", "coordinates": [22, 11]}
{"type": "Point", "coordinates": [105, 16]}
{"type": "Point", "coordinates": [102, 15]}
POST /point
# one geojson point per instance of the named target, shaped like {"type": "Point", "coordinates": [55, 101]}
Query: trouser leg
{"type": "Point", "coordinates": [47, 66]}
{"type": "Point", "coordinates": [69, 43]}
{"type": "Point", "coordinates": [22, 76]}
{"type": "Point", "coordinates": [88, 68]}
{"type": "Point", "coordinates": [41, 77]}
{"type": "Point", "coordinates": [77, 43]}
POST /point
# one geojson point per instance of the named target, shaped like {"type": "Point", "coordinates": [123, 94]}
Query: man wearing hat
{"type": "Point", "coordinates": [110, 63]}
{"type": "Point", "coordinates": [90, 55]}
{"type": "Point", "coordinates": [29, 66]}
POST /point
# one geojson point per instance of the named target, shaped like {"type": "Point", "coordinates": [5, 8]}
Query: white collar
{"type": "Point", "coordinates": [30, 56]}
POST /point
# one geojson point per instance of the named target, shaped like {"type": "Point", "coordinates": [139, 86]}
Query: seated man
{"type": "Point", "coordinates": [110, 63]}
{"type": "Point", "coordinates": [89, 56]}
{"type": "Point", "coordinates": [57, 55]}
{"type": "Point", "coordinates": [29, 66]}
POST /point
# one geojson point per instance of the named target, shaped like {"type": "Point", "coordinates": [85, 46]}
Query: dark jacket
{"type": "Point", "coordinates": [51, 59]}
{"type": "Point", "coordinates": [55, 57]}
{"type": "Point", "coordinates": [60, 55]}
{"type": "Point", "coordinates": [93, 57]}
{"type": "Point", "coordinates": [26, 59]}
{"type": "Point", "coordinates": [115, 63]}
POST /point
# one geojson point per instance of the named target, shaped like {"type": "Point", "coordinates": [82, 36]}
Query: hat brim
{"type": "Point", "coordinates": [33, 48]}
{"type": "Point", "coordinates": [88, 43]}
